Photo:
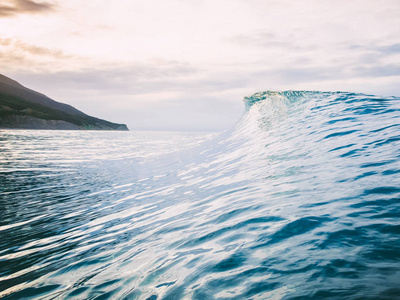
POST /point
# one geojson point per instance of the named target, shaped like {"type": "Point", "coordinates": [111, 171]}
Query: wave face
{"type": "Point", "coordinates": [301, 200]}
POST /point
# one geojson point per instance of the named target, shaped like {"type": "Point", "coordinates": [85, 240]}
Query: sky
{"type": "Point", "coordinates": [187, 64]}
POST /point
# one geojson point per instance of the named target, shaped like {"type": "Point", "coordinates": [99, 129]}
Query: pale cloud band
{"type": "Point", "coordinates": [16, 7]}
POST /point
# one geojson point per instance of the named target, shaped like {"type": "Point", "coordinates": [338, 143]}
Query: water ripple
{"type": "Point", "coordinates": [299, 201]}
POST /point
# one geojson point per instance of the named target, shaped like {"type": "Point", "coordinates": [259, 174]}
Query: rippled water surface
{"type": "Point", "coordinates": [300, 200]}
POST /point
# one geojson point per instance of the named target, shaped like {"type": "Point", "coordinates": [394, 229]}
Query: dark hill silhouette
{"type": "Point", "coordinates": [24, 108]}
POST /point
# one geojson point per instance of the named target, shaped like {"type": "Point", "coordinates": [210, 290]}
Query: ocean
{"type": "Point", "coordinates": [299, 200]}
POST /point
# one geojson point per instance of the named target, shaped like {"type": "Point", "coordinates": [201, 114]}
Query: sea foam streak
{"type": "Point", "coordinates": [301, 199]}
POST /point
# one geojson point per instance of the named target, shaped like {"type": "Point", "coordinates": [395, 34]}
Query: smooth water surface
{"type": "Point", "coordinates": [301, 200]}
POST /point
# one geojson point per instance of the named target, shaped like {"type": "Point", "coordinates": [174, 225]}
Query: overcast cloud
{"type": "Point", "coordinates": [186, 65]}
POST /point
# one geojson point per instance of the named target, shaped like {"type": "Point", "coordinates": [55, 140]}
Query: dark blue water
{"type": "Point", "coordinates": [301, 200]}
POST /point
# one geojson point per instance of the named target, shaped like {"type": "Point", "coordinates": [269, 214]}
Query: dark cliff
{"type": "Point", "coordinates": [23, 108]}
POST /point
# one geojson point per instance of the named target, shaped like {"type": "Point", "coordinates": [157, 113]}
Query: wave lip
{"type": "Point", "coordinates": [289, 94]}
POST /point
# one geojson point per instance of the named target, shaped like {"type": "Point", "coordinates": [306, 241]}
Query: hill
{"type": "Point", "coordinates": [24, 108]}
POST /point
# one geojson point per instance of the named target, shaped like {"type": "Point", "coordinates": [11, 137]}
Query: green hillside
{"type": "Point", "coordinates": [19, 103]}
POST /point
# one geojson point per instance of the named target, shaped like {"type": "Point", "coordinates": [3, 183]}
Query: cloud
{"type": "Point", "coordinates": [16, 7]}
{"type": "Point", "coordinates": [41, 51]}
{"type": "Point", "coordinates": [265, 39]}
{"type": "Point", "coordinates": [377, 71]}
{"type": "Point", "coordinates": [133, 78]}
{"type": "Point", "coordinates": [385, 50]}
{"type": "Point", "coordinates": [19, 46]}
{"type": "Point", "coordinates": [391, 49]}
{"type": "Point", "coordinates": [25, 57]}
{"type": "Point", "coordinates": [6, 42]}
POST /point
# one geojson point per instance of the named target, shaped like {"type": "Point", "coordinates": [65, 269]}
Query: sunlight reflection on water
{"type": "Point", "coordinates": [297, 201]}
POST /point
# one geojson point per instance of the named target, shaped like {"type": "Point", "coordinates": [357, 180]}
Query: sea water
{"type": "Point", "coordinates": [299, 200]}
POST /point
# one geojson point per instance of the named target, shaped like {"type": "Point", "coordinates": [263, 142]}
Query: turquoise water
{"type": "Point", "coordinates": [300, 200]}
